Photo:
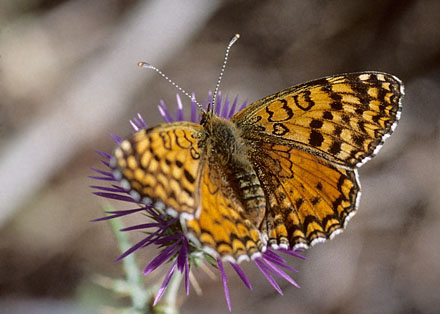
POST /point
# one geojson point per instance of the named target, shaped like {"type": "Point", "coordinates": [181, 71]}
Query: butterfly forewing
{"type": "Point", "coordinates": [160, 166]}
{"type": "Point", "coordinates": [343, 119]}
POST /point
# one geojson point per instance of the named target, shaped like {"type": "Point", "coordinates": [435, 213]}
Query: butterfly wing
{"type": "Point", "coordinates": [343, 118]}
{"type": "Point", "coordinates": [220, 228]}
{"type": "Point", "coordinates": [310, 199]}
{"type": "Point", "coordinates": [161, 166]}
{"type": "Point", "coordinates": [307, 141]}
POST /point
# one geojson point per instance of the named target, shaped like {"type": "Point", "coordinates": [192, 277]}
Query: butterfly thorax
{"type": "Point", "coordinates": [226, 153]}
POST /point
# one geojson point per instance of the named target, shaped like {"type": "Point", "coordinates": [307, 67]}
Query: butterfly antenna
{"type": "Point", "coordinates": [233, 40]}
{"type": "Point", "coordinates": [152, 67]}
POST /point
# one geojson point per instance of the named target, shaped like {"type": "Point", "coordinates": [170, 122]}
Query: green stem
{"type": "Point", "coordinates": [133, 283]}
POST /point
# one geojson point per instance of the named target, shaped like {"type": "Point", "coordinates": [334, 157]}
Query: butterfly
{"type": "Point", "coordinates": [282, 172]}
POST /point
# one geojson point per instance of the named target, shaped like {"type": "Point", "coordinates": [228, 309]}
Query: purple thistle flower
{"type": "Point", "coordinates": [166, 233]}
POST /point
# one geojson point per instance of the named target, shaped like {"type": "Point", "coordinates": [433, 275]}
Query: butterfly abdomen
{"type": "Point", "coordinates": [251, 195]}
{"type": "Point", "coordinates": [227, 152]}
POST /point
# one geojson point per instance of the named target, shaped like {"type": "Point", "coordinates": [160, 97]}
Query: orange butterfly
{"type": "Point", "coordinates": [283, 171]}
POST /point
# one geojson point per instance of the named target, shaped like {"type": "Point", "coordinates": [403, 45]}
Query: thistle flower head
{"type": "Point", "coordinates": [166, 234]}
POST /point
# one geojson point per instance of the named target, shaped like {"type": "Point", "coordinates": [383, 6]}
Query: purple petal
{"type": "Point", "coordinates": [164, 112]}
{"type": "Point", "coordinates": [186, 248]}
{"type": "Point", "coordinates": [194, 109]}
{"type": "Point", "coordinates": [133, 125]}
{"type": "Point", "coordinates": [106, 163]}
{"type": "Point", "coordinates": [273, 255]}
{"type": "Point", "coordinates": [280, 273]}
{"type": "Point", "coordinates": [103, 218]}
{"type": "Point", "coordinates": [116, 214]}
{"type": "Point", "coordinates": [125, 211]}
{"type": "Point", "coordinates": [225, 108]}
{"type": "Point", "coordinates": [161, 258]}
{"type": "Point", "coordinates": [138, 123]}
{"type": "Point", "coordinates": [171, 222]}
{"type": "Point", "coordinates": [141, 226]}
{"type": "Point", "coordinates": [119, 188]}
{"type": "Point", "coordinates": [168, 239]}
{"type": "Point", "coordinates": [277, 262]}
{"type": "Point", "coordinates": [105, 188]}
{"type": "Point", "coordinates": [134, 247]}
{"type": "Point", "coordinates": [275, 258]}
{"type": "Point", "coordinates": [225, 283]}
{"type": "Point", "coordinates": [179, 111]}
{"type": "Point", "coordinates": [157, 236]}
{"type": "Point", "coordinates": [243, 105]}
{"type": "Point", "coordinates": [117, 138]}
{"type": "Point", "coordinates": [153, 212]}
{"type": "Point", "coordinates": [142, 122]}
{"type": "Point", "coordinates": [103, 154]}
{"type": "Point", "coordinates": [165, 224]}
{"type": "Point", "coordinates": [181, 258]}
{"type": "Point", "coordinates": [164, 284]}
{"type": "Point", "coordinates": [242, 275]}
{"type": "Point", "coordinates": [153, 237]}
{"type": "Point", "coordinates": [101, 178]}
{"type": "Point", "coordinates": [104, 173]}
{"type": "Point", "coordinates": [218, 103]}
{"type": "Point", "coordinates": [293, 253]}
{"type": "Point", "coordinates": [234, 105]}
{"type": "Point", "coordinates": [264, 269]}
{"type": "Point", "coordinates": [114, 196]}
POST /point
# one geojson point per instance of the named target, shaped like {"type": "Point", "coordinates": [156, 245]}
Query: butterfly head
{"type": "Point", "coordinates": [209, 113]}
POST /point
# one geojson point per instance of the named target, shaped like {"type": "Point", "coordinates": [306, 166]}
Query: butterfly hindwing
{"type": "Point", "coordinates": [220, 228]}
{"type": "Point", "coordinates": [309, 199]}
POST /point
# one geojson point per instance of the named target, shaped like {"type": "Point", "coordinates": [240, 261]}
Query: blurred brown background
{"type": "Point", "coordinates": [68, 78]}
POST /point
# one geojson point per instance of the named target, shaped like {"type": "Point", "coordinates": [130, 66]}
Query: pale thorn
{"type": "Point", "coordinates": [208, 271]}
{"type": "Point", "coordinates": [195, 283]}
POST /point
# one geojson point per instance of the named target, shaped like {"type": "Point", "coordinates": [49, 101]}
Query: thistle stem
{"type": "Point", "coordinates": [134, 279]}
